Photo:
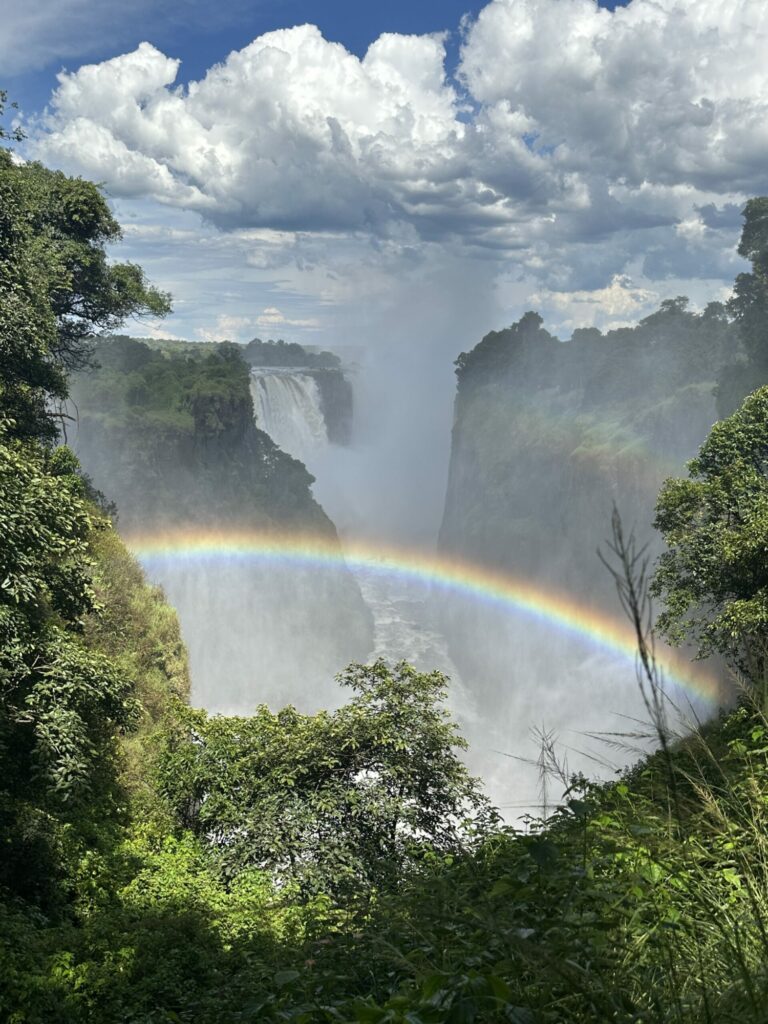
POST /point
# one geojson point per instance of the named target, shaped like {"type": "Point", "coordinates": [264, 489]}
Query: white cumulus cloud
{"type": "Point", "coordinates": [574, 144]}
{"type": "Point", "coordinates": [612, 306]}
{"type": "Point", "coordinates": [292, 131]}
{"type": "Point", "coordinates": [666, 91]}
{"type": "Point", "coordinates": [230, 327]}
{"type": "Point", "coordinates": [273, 317]}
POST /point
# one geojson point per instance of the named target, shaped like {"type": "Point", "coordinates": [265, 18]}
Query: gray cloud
{"type": "Point", "coordinates": [592, 142]}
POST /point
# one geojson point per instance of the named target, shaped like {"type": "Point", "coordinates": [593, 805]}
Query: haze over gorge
{"type": "Point", "coordinates": [511, 600]}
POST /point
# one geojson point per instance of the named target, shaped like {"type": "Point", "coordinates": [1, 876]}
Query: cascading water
{"type": "Point", "coordinates": [287, 405]}
{"type": "Point", "coordinates": [404, 628]}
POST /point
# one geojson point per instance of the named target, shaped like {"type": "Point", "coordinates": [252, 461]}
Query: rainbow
{"type": "Point", "coordinates": [518, 596]}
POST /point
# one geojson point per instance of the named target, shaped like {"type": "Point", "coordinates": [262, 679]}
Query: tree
{"type": "Point", "coordinates": [749, 303]}
{"type": "Point", "coordinates": [57, 288]}
{"type": "Point", "coordinates": [61, 704]}
{"type": "Point", "coordinates": [749, 308]}
{"type": "Point", "coordinates": [714, 577]}
{"type": "Point", "coordinates": [498, 350]}
{"type": "Point", "coordinates": [16, 133]}
{"type": "Point", "coordinates": [331, 801]}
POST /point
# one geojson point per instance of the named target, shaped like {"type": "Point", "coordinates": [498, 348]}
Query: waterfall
{"type": "Point", "coordinates": [288, 407]}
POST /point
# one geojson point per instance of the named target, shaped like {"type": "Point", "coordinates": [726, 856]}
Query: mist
{"type": "Point", "coordinates": [511, 680]}
{"type": "Point", "coordinates": [517, 470]}
{"type": "Point", "coordinates": [573, 449]}
{"type": "Point", "coordinates": [390, 484]}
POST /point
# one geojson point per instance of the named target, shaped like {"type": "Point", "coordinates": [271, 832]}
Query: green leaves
{"type": "Point", "coordinates": [61, 704]}
{"type": "Point", "coordinates": [16, 134]}
{"type": "Point", "coordinates": [714, 577]}
{"type": "Point", "coordinates": [749, 304]}
{"type": "Point", "coordinates": [57, 288]}
{"type": "Point", "coordinates": [333, 801]}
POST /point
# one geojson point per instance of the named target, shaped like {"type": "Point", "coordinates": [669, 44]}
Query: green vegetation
{"type": "Point", "coordinates": [57, 288]}
{"type": "Point", "coordinates": [16, 134]}
{"type": "Point", "coordinates": [714, 575]}
{"type": "Point", "coordinates": [335, 803]}
{"type": "Point", "coordinates": [255, 352]}
{"type": "Point", "coordinates": [640, 901]}
{"type": "Point", "coordinates": [749, 308]}
{"type": "Point", "coordinates": [335, 390]}
{"type": "Point", "coordinates": [62, 702]}
{"type": "Point", "coordinates": [287, 353]}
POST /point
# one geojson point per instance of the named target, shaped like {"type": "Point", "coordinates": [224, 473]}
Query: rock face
{"type": "Point", "coordinates": [337, 402]}
{"type": "Point", "coordinates": [169, 436]}
{"type": "Point", "coordinates": [548, 436]}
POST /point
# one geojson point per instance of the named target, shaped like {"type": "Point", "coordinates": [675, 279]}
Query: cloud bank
{"type": "Point", "coordinates": [573, 143]}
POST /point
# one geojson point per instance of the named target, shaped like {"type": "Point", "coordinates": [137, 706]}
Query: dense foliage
{"type": "Point", "coordinates": [334, 802]}
{"type": "Point", "coordinates": [749, 307]}
{"type": "Point", "coordinates": [15, 133]}
{"type": "Point", "coordinates": [621, 365]}
{"type": "Point", "coordinates": [287, 353]}
{"type": "Point", "coordinates": [64, 702]}
{"type": "Point", "coordinates": [714, 575]}
{"type": "Point", "coordinates": [641, 902]}
{"type": "Point", "coordinates": [61, 703]}
{"type": "Point", "coordinates": [56, 288]}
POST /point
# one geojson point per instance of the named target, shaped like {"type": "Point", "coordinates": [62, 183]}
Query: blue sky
{"type": "Point", "coordinates": [557, 154]}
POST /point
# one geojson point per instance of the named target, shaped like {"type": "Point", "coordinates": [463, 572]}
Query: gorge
{"type": "Point", "coordinates": [544, 442]}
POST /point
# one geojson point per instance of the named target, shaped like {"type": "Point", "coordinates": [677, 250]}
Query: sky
{"type": "Point", "coordinates": [318, 170]}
